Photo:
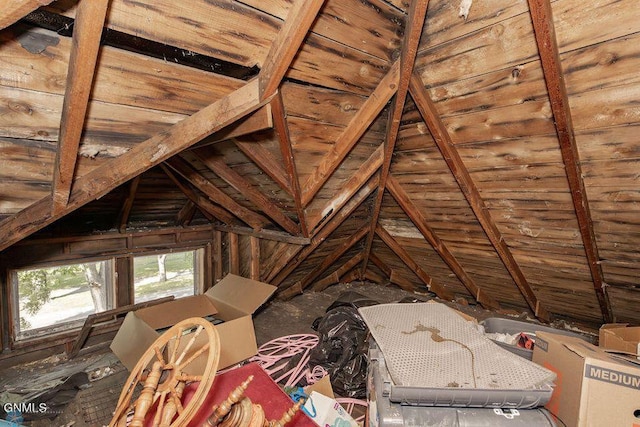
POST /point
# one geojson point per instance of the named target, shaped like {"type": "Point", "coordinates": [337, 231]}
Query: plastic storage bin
{"type": "Point", "coordinates": [511, 327]}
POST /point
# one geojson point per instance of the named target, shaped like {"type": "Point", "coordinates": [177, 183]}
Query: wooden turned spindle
{"type": "Point", "coordinates": [287, 416]}
{"type": "Point", "coordinates": [221, 410]}
{"type": "Point", "coordinates": [146, 396]}
{"type": "Point", "coordinates": [171, 407]}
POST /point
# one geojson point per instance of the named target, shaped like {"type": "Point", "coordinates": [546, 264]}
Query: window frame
{"type": "Point", "coordinates": [18, 336]}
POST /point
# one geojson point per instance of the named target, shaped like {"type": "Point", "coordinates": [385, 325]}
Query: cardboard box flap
{"type": "Point", "coordinates": [168, 314]}
{"type": "Point", "coordinates": [132, 330]}
{"type": "Point", "coordinates": [244, 294]}
{"type": "Point", "coordinates": [620, 338]}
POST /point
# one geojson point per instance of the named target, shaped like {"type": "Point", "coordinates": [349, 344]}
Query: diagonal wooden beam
{"type": "Point", "coordinates": [402, 253]}
{"type": "Point", "coordinates": [286, 44]}
{"type": "Point", "coordinates": [257, 121]}
{"type": "Point", "coordinates": [352, 133]}
{"type": "Point", "coordinates": [128, 204]}
{"type": "Point", "coordinates": [140, 158]}
{"type": "Point", "coordinates": [87, 31]}
{"type": "Point", "coordinates": [216, 195]}
{"type": "Point", "coordinates": [14, 10]}
{"type": "Point", "coordinates": [287, 265]}
{"type": "Point", "coordinates": [282, 130]}
{"type": "Point", "coordinates": [349, 188]}
{"type": "Point", "coordinates": [217, 165]}
{"type": "Point", "coordinates": [545, 34]}
{"type": "Point", "coordinates": [264, 160]}
{"type": "Point", "coordinates": [438, 245]}
{"type": "Point", "coordinates": [380, 264]}
{"type": "Point", "coordinates": [208, 209]}
{"type": "Point", "coordinates": [334, 277]}
{"type": "Point", "coordinates": [186, 213]}
{"type": "Point", "coordinates": [413, 31]}
{"type": "Point", "coordinates": [299, 286]}
{"type": "Point", "coordinates": [468, 187]}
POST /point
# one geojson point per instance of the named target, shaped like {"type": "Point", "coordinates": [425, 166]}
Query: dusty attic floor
{"type": "Point", "coordinates": [92, 406]}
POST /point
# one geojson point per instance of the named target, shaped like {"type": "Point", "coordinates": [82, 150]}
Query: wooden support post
{"type": "Point", "coordinates": [545, 34]}
{"type": "Point", "coordinates": [234, 254]}
{"type": "Point", "coordinates": [438, 245]}
{"type": "Point", "coordinates": [402, 253]}
{"type": "Point", "coordinates": [217, 256]}
{"type": "Point", "coordinates": [255, 258]}
{"type": "Point", "coordinates": [467, 185]}
{"type": "Point", "coordinates": [87, 31]}
{"type": "Point", "coordinates": [417, 15]}
{"type": "Point", "coordinates": [282, 130]}
{"type": "Point", "coordinates": [125, 211]}
{"type": "Point", "coordinates": [186, 213]}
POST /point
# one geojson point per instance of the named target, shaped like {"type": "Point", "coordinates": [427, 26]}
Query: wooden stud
{"type": "Point", "coordinates": [208, 209]}
{"type": "Point", "coordinates": [467, 185]}
{"type": "Point", "coordinates": [417, 14]}
{"type": "Point", "coordinates": [352, 133]}
{"type": "Point", "coordinates": [216, 195]}
{"type": "Point", "coordinates": [14, 10]}
{"type": "Point", "coordinates": [255, 258]}
{"type": "Point", "coordinates": [87, 31]}
{"type": "Point", "coordinates": [217, 165]}
{"type": "Point", "coordinates": [282, 130]}
{"type": "Point", "coordinates": [402, 253]}
{"type": "Point", "coordinates": [286, 266]}
{"type": "Point", "coordinates": [264, 160]}
{"type": "Point", "coordinates": [545, 35]}
{"type": "Point", "coordinates": [217, 256]}
{"type": "Point", "coordinates": [286, 44]}
{"type": "Point", "coordinates": [438, 245]}
{"type": "Point", "coordinates": [140, 158]}
{"type": "Point", "coordinates": [234, 254]}
{"type": "Point", "coordinates": [125, 211]}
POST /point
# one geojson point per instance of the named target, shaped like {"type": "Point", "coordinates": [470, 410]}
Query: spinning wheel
{"type": "Point", "coordinates": [163, 371]}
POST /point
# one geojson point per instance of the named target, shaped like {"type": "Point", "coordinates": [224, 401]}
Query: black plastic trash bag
{"type": "Point", "coordinates": [343, 345]}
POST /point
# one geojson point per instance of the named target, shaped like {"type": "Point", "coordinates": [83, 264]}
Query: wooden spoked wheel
{"type": "Point", "coordinates": [188, 352]}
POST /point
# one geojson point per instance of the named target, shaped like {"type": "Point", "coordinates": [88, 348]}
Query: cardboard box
{"type": "Point", "coordinates": [234, 299]}
{"type": "Point", "coordinates": [593, 388]}
{"type": "Point", "coordinates": [618, 337]}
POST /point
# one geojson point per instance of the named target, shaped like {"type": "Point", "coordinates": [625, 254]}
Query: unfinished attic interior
{"type": "Point", "coordinates": [478, 152]}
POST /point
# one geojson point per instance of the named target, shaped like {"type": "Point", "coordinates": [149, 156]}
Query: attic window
{"type": "Point", "coordinates": [53, 299]}
{"type": "Point", "coordinates": [161, 275]}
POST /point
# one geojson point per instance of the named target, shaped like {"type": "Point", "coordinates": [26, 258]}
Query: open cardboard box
{"type": "Point", "coordinates": [619, 338]}
{"type": "Point", "coordinates": [234, 299]}
{"type": "Point", "coordinates": [593, 388]}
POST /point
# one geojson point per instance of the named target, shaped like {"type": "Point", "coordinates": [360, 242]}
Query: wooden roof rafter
{"type": "Point", "coordinates": [545, 36]}
{"type": "Point", "coordinates": [264, 160]}
{"type": "Point", "coordinates": [334, 277]}
{"type": "Point", "coordinates": [282, 131]}
{"type": "Point", "coordinates": [299, 286]}
{"type": "Point", "coordinates": [351, 134]}
{"type": "Point", "coordinates": [404, 255]}
{"type": "Point", "coordinates": [87, 31]}
{"type": "Point", "coordinates": [206, 207]}
{"type": "Point", "coordinates": [246, 215]}
{"type": "Point", "coordinates": [217, 165]}
{"type": "Point", "coordinates": [441, 248]}
{"type": "Point", "coordinates": [15, 10]}
{"type": "Point", "coordinates": [451, 156]}
{"type": "Point", "coordinates": [416, 18]}
{"type": "Point", "coordinates": [239, 103]}
{"type": "Point", "coordinates": [186, 213]}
